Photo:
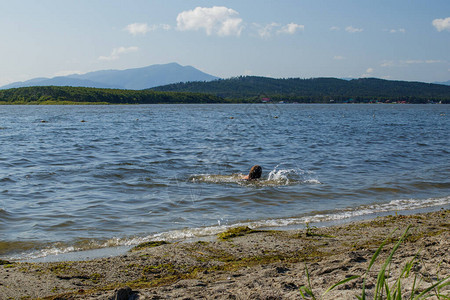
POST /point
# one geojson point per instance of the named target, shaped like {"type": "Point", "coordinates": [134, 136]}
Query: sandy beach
{"type": "Point", "coordinates": [251, 264]}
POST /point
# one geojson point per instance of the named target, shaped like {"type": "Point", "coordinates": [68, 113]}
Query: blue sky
{"type": "Point", "coordinates": [401, 39]}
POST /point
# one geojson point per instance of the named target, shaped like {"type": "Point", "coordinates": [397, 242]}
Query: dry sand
{"type": "Point", "coordinates": [256, 265]}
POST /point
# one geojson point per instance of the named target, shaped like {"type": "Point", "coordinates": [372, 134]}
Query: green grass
{"type": "Point", "coordinates": [382, 288]}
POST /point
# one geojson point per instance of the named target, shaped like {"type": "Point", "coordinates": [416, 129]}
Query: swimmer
{"type": "Point", "coordinates": [255, 173]}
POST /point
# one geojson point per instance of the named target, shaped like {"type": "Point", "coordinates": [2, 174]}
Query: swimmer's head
{"type": "Point", "coordinates": [255, 172]}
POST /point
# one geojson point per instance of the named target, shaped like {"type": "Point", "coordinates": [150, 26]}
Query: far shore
{"type": "Point", "coordinates": [6, 103]}
{"type": "Point", "coordinates": [254, 264]}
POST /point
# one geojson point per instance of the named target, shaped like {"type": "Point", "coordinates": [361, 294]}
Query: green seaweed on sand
{"type": "Point", "coordinates": [312, 231]}
{"type": "Point", "coordinates": [234, 232]}
{"type": "Point", "coordinates": [4, 262]}
{"type": "Point", "coordinates": [150, 244]}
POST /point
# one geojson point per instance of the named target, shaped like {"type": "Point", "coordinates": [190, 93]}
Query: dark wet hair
{"type": "Point", "coordinates": [255, 172]}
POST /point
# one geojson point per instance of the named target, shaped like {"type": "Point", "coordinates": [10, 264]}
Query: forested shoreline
{"type": "Point", "coordinates": [317, 90]}
{"type": "Point", "coordinates": [247, 89]}
{"type": "Point", "coordinates": [82, 95]}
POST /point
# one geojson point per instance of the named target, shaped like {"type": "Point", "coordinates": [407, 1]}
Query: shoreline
{"type": "Point", "coordinates": [206, 234]}
{"type": "Point", "coordinates": [121, 249]}
{"type": "Point", "coordinates": [258, 264]}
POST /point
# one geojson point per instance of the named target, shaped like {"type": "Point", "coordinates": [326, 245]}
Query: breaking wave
{"type": "Point", "coordinates": [192, 233]}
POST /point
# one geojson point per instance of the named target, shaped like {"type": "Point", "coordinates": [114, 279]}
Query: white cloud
{"type": "Point", "coordinates": [387, 63]}
{"type": "Point", "coordinates": [267, 30]}
{"type": "Point", "coordinates": [391, 63]}
{"type": "Point", "coordinates": [116, 52]}
{"type": "Point", "coordinates": [291, 28]}
{"type": "Point", "coordinates": [165, 26]}
{"type": "Point", "coordinates": [338, 57]}
{"type": "Point", "coordinates": [143, 28]}
{"type": "Point", "coordinates": [335, 28]}
{"type": "Point", "coordinates": [138, 28]}
{"type": "Point", "coordinates": [368, 73]}
{"type": "Point", "coordinates": [413, 61]}
{"type": "Point", "coordinates": [399, 30]}
{"type": "Point", "coordinates": [428, 61]}
{"type": "Point", "coordinates": [442, 24]}
{"type": "Point", "coordinates": [218, 20]}
{"type": "Point", "coordinates": [352, 29]}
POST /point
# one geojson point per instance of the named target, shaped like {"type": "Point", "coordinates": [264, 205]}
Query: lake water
{"type": "Point", "coordinates": [86, 177]}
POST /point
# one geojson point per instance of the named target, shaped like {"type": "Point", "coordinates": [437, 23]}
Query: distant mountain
{"type": "Point", "coordinates": [133, 79]}
{"type": "Point", "coordinates": [444, 83]}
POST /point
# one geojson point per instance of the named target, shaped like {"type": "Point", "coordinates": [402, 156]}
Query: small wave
{"type": "Point", "coordinates": [364, 210]}
{"type": "Point", "coordinates": [395, 205]}
{"type": "Point", "coordinates": [4, 214]}
{"type": "Point", "coordinates": [7, 180]}
{"type": "Point", "coordinates": [192, 233]}
{"type": "Point", "coordinates": [36, 250]}
{"type": "Point", "coordinates": [338, 215]}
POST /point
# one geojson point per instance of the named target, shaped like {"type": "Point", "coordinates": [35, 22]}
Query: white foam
{"type": "Point", "coordinates": [211, 178]}
{"type": "Point", "coordinates": [395, 205]}
{"type": "Point", "coordinates": [43, 253]}
{"type": "Point", "coordinates": [189, 233]}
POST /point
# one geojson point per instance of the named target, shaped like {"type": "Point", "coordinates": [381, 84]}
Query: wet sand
{"type": "Point", "coordinates": [254, 265]}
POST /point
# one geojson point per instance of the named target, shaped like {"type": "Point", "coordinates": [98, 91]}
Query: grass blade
{"type": "Point", "coordinates": [381, 275]}
{"type": "Point", "coordinates": [427, 290]}
{"type": "Point", "coordinates": [308, 289]}
{"type": "Point", "coordinates": [399, 291]}
{"type": "Point", "coordinates": [372, 261]}
{"type": "Point", "coordinates": [413, 287]}
{"type": "Point", "coordinates": [340, 282]}
{"type": "Point", "coordinates": [404, 274]}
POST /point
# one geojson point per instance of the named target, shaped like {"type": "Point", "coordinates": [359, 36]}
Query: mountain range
{"type": "Point", "coordinates": [444, 83]}
{"type": "Point", "coordinates": [131, 79]}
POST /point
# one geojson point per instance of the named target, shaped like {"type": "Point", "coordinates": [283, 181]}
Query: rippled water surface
{"type": "Point", "coordinates": [80, 177]}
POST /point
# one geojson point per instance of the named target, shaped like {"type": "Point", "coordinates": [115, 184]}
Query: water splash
{"type": "Point", "coordinates": [287, 176]}
{"type": "Point", "coordinates": [214, 178]}
{"type": "Point", "coordinates": [276, 177]}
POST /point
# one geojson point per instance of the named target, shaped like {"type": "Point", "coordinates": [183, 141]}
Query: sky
{"type": "Point", "coordinates": [396, 40]}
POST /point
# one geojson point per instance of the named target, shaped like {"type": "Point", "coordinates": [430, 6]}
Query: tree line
{"type": "Point", "coordinates": [322, 90]}
{"type": "Point", "coordinates": [242, 89]}
{"type": "Point", "coordinates": [74, 95]}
